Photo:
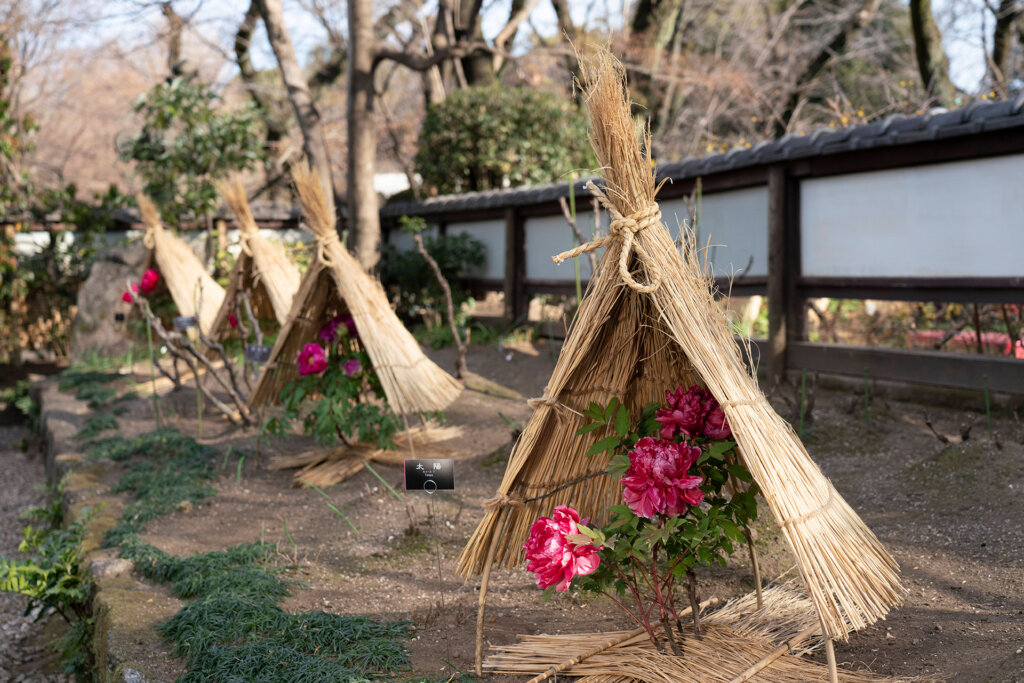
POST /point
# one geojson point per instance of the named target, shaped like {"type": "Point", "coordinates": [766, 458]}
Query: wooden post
{"type": "Point", "coordinates": [516, 302]}
{"type": "Point", "coordinates": [786, 315]}
{"type": "Point", "coordinates": [776, 275]}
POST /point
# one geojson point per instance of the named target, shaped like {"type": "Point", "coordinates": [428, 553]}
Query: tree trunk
{"type": "Point", "coordinates": [363, 211]}
{"type": "Point", "coordinates": [477, 65]}
{"type": "Point", "coordinates": [931, 60]}
{"type": "Point", "coordinates": [175, 27]}
{"type": "Point", "coordinates": [1007, 13]}
{"type": "Point", "coordinates": [314, 140]}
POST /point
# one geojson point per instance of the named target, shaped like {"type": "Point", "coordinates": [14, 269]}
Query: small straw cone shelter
{"type": "Point", "coordinates": [263, 271]}
{"type": "Point", "coordinates": [650, 322]}
{"type": "Point", "coordinates": [335, 284]}
{"type": "Point", "coordinates": [195, 293]}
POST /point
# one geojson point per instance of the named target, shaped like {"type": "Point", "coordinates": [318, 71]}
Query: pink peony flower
{"type": "Point", "coordinates": [716, 426]}
{"type": "Point", "coordinates": [553, 557]}
{"type": "Point", "coordinates": [232, 320]}
{"type": "Point", "coordinates": [128, 297]}
{"type": "Point", "coordinates": [657, 481]}
{"type": "Point", "coordinates": [312, 360]}
{"type": "Point", "coordinates": [352, 367]}
{"type": "Point", "coordinates": [684, 411]}
{"type": "Point", "coordinates": [150, 279]}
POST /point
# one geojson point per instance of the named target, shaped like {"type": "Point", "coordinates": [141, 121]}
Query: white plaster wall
{"type": "Point", "coordinates": [961, 219]}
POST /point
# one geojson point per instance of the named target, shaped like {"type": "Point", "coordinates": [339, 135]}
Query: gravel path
{"type": "Point", "coordinates": [24, 655]}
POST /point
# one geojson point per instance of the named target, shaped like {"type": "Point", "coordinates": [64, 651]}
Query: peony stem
{"type": "Point", "coordinates": [668, 632]}
{"type": "Point", "coordinates": [691, 588]}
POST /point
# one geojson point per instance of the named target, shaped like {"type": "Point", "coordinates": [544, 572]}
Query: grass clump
{"type": "Point", "coordinates": [94, 425]}
{"type": "Point", "coordinates": [178, 473]}
{"type": "Point", "coordinates": [233, 629]}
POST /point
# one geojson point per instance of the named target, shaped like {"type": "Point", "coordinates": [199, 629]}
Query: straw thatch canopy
{"type": "Point", "coordinates": [648, 323]}
{"type": "Point", "coordinates": [335, 284]}
{"type": "Point", "coordinates": [262, 271]}
{"type": "Point", "coordinates": [195, 293]}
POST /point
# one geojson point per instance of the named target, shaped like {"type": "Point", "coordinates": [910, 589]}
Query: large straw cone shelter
{"type": "Point", "coordinates": [262, 271]}
{"type": "Point", "coordinates": [650, 322]}
{"type": "Point", "coordinates": [335, 284]}
{"type": "Point", "coordinates": [194, 292]}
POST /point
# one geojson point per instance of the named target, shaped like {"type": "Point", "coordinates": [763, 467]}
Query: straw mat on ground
{"type": "Point", "coordinates": [335, 284]}
{"type": "Point", "coordinates": [736, 637]}
{"type": "Point", "coordinates": [328, 467]}
{"type": "Point", "coordinates": [195, 293]}
{"type": "Point", "coordinates": [263, 270]}
{"type": "Point", "coordinates": [648, 323]}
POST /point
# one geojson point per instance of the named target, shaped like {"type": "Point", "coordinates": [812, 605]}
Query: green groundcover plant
{"type": "Point", "coordinates": [686, 500]}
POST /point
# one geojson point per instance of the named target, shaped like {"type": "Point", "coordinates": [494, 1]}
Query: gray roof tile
{"type": "Point", "coordinates": [896, 129]}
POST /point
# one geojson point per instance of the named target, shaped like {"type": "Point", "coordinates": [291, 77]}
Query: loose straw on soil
{"type": "Point", "coordinates": [263, 270]}
{"type": "Point", "coordinates": [737, 640]}
{"type": "Point", "coordinates": [181, 270]}
{"type": "Point", "coordinates": [335, 283]}
{"type": "Point", "coordinates": [650, 314]}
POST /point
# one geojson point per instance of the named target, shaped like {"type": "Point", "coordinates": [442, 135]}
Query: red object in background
{"type": "Point", "coordinates": [232, 320]}
{"type": "Point", "coordinates": [150, 279]}
{"type": "Point", "coordinates": [1018, 350]}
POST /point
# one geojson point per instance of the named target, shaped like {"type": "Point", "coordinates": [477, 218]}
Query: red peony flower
{"type": "Point", "coordinates": [684, 411]}
{"type": "Point", "coordinates": [232, 320]}
{"type": "Point", "coordinates": [128, 297]}
{"type": "Point", "coordinates": [150, 279]}
{"type": "Point", "coordinates": [553, 557]}
{"type": "Point", "coordinates": [657, 481]}
{"type": "Point", "coordinates": [312, 360]}
{"type": "Point", "coordinates": [352, 367]}
{"type": "Point", "coordinates": [716, 426]}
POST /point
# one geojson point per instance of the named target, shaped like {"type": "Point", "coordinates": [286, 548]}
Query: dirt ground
{"type": "Point", "coordinates": [951, 513]}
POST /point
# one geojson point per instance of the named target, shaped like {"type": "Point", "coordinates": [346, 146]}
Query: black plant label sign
{"type": "Point", "coordinates": [183, 322]}
{"type": "Point", "coordinates": [255, 353]}
{"type": "Point", "coordinates": [429, 475]}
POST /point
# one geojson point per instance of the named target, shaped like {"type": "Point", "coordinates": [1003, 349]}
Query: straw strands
{"type": "Point", "coordinates": [195, 293]}
{"type": "Point", "coordinates": [737, 639]}
{"type": "Point", "coordinates": [651, 304]}
{"type": "Point", "coordinates": [336, 284]}
{"type": "Point", "coordinates": [262, 271]}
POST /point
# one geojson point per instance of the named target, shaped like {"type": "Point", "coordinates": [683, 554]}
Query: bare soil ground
{"type": "Point", "coordinates": [952, 514]}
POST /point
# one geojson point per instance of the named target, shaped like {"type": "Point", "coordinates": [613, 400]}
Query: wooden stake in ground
{"type": "Point", "coordinates": [442, 281]}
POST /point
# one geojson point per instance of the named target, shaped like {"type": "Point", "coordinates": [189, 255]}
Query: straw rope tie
{"type": "Point", "coordinates": [622, 228]}
{"type": "Point", "coordinates": [503, 500]}
{"type": "Point", "coordinates": [549, 401]}
{"type": "Point", "coordinates": [323, 241]}
{"type": "Point", "coordinates": [827, 505]}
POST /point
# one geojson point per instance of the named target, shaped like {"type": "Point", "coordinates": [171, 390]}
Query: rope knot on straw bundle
{"type": "Point", "coordinates": [549, 401]}
{"type": "Point", "coordinates": [324, 240]}
{"type": "Point", "coordinates": [624, 229]}
{"type": "Point", "coordinates": [503, 500]}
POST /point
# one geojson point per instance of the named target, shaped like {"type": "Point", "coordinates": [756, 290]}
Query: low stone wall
{"type": "Point", "coordinates": [126, 611]}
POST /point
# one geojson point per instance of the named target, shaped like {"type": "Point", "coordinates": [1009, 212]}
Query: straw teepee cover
{"type": "Point", "coordinates": [263, 270]}
{"type": "Point", "coordinates": [334, 284]}
{"type": "Point", "coordinates": [181, 270]}
{"type": "Point", "coordinates": [649, 322]}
